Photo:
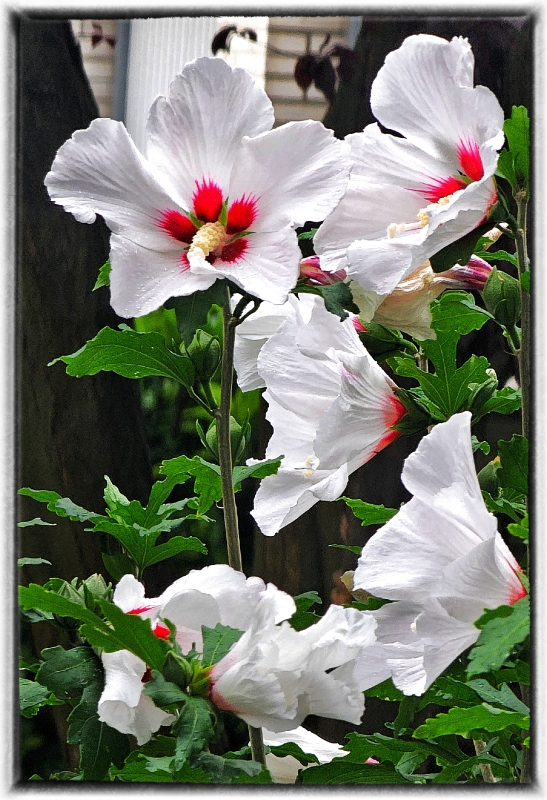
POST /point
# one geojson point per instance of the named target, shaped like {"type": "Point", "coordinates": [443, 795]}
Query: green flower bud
{"type": "Point", "coordinates": [482, 392]}
{"type": "Point", "coordinates": [205, 352]}
{"type": "Point", "coordinates": [488, 477]}
{"type": "Point", "coordinates": [502, 298]}
{"type": "Point", "coordinates": [238, 438]}
{"type": "Point", "coordinates": [177, 670]}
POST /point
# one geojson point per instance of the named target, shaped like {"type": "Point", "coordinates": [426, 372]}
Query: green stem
{"type": "Point", "coordinates": [222, 415]}
{"type": "Point", "coordinates": [486, 769]}
{"type": "Point", "coordinates": [524, 354]}
{"type": "Point", "coordinates": [231, 526]}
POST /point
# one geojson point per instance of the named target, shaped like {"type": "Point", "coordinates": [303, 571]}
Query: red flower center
{"type": "Point", "coordinates": [226, 244]}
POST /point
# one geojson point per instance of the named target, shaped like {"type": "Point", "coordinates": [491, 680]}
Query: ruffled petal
{"type": "Point", "coordinates": [424, 92]}
{"type": "Point", "coordinates": [100, 171]}
{"type": "Point", "coordinates": [336, 695]}
{"type": "Point", "coordinates": [195, 134]}
{"type": "Point", "coordinates": [296, 172]}
{"type": "Point", "coordinates": [142, 279]}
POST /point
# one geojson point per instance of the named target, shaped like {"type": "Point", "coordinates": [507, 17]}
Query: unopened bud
{"type": "Point", "coordinates": [311, 271]}
{"type": "Point", "coordinates": [501, 296]}
{"type": "Point", "coordinates": [472, 275]}
{"type": "Point", "coordinates": [205, 353]}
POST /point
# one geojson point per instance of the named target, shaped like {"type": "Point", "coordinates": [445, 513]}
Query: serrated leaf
{"type": "Point", "coordinates": [385, 691]}
{"type": "Point", "coordinates": [368, 513]}
{"type": "Point", "coordinates": [126, 631]}
{"type": "Point", "coordinates": [137, 771]}
{"type": "Point", "coordinates": [340, 771]}
{"type": "Point", "coordinates": [451, 773]}
{"type": "Point", "coordinates": [513, 472]}
{"type": "Point", "coordinates": [207, 485]}
{"type": "Point", "coordinates": [130, 354]}
{"type": "Point", "coordinates": [103, 278]}
{"type": "Point", "coordinates": [65, 670]}
{"type": "Point", "coordinates": [61, 506]}
{"type": "Point", "coordinates": [302, 617]}
{"type": "Point", "coordinates": [502, 696]}
{"type": "Point", "coordinates": [175, 545]}
{"type": "Point", "coordinates": [165, 694]}
{"type": "Point", "coordinates": [33, 696]}
{"type": "Point", "coordinates": [193, 729]}
{"type": "Point", "coordinates": [225, 770]}
{"type": "Point", "coordinates": [463, 721]}
{"type": "Point", "coordinates": [454, 314]}
{"type": "Point", "coordinates": [217, 641]}
{"type": "Point", "coordinates": [260, 470]}
{"type": "Point", "coordinates": [498, 637]}
{"type": "Point", "coordinates": [100, 745]}
{"type": "Point", "coordinates": [292, 749]}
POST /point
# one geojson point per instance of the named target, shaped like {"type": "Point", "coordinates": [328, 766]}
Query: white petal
{"type": "Point", "coordinates": [284, 497]}
{"type": "Point", "coordinates": [142, 280]}
{"type": "Point", "coordinates": [100, 171]}
{"type": "Point", "coordinates": [441, 472]}
{"type": "Point", "coordinates": [129, 593]}
{"type": "Point", "coordinates": [268, 268]}
{"type": "Point", "coordinates": [423, 91]}
{"type": "Point", "coordinates": [338, 636]}
{"type": "Point", "coordinates": [336, 695]}
{"type": "Point", "coordinates": [148, 719]}
{"type": "Point", "coordinates": [358, 423]}
{"type": "Point", "coordinates": [309, 742]}
{"type": "Point", "coordinates": [298, 172]}
{"type": "Point", "coordinates": [196, 132]}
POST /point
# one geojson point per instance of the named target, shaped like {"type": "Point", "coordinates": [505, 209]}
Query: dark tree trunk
{"type": "Point", "coordinates": [70, 432]}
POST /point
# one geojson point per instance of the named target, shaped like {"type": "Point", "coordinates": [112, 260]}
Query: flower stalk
{"type": "Point", "coordinates": [231, 525]}
{"type": "Point", "coordinates": [524, 353]}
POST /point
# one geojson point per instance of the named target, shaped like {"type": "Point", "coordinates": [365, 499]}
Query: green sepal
{"type": "Point", "coordinates": [103, 278]}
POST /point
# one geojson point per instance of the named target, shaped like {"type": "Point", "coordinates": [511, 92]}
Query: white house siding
{"type": "Point", "coordinates": [98, 61]}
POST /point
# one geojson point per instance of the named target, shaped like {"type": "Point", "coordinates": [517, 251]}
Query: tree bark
{"type": "Point", "coordinates": [70, 432]}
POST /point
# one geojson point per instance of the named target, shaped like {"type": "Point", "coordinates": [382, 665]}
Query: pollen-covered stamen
{"type": "Point", "coordinates": [311, 463]}
{"type": "Point", "coordinates": [396, 228]}
{"type": "Point", "coordinates": [209, 238]}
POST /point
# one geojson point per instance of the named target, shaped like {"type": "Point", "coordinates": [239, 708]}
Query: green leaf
{"type": "Point", "coordinates": [368, 513]}
{"type": "Point", "coordinates": [519, 529]}
{"type": "Point", "coordinates": [126, 632]}
{"type": "Point", "coordinates": [103, 278]}
{"type": "Point", "coordinates": [385, 691]}
{"type": "Point", "coordinates": [451, 773]}
{"type": "Point", "coordinates": [33, 696]}
{"type": "Point", "coordinates": [23, 562]}
{"type": "Point", "coordinates": [66, 670]}
{"type": "Point", "coordinates": [35, 521]}
{"type": "Point", "coordinates": [217, 641]}
{"type": "Point", "coordinates": [307, 234]}
{"type": "Point", "coordinates": [338, 299]}
{"type": "Point", "coordinates": [460, 251]}
{"type": "Point", "coordinates": [130, 354]}
{"type": "Point", "coordinates": [498, 637]}
{"type": "Point", "coordinates": [502, 696]}
{"type": "Point", "coordinates": [449, 389]}
{"type": "Point", "coordinates": [100, 745]}
{"type": "Point", "coordinates": [292, 749]}
{"type": "Point", "coordinates": [62, 506]}
{"type": "Point", "coordinates": [499, 255]}
{"type": "Point", "coordinates": [302, 617]}
{"type": "Point", "coordinates": [175, 545]}
{"type": "Point", "coordinates": [513, 473]}
{"type": "Point", "coordinates": [463, 721]}
{"type": "Point", "coordinates": [229, 770]}
{"type": "Point", "coordinates": [259, 470]}
{"type": "Point", "coordinates": [355, 549]}
{"type": "Point", "coordinates": [525, 280]}
{"type": "Point", "coordinates": [193, 729]}
{"type": "Point", "coordinates": [140, 769]}
{"type": "Point", "coordinates": [341, 771]}
{"type": "Point", "coordinates": [192, 311]}
{"type": "Point", "coordinates": [208, 485]}
{"type": "Point", "coordinates": [164, 693]}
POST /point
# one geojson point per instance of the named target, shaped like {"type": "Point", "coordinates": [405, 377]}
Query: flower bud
{"type": "Point", "coordinates": [205, 353]}
{"type": "Point", "coordinates": [312, 273]}
{"type": "Point", "coordinates": [488, 477]}
{"type": "Point", "coordinates": [502, 298]}
{"type": "Point", "coordinates": [238, 438]}
{"type": "Point", "coordinates": [482, 392]}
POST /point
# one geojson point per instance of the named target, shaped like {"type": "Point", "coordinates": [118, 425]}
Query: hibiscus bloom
{"type": "Point", "coordinates": [218, 196]}
{"type": "Point", "coordinates": [440, 558]}
{"type": "Point", "coordinates": [275, 676]}
{"type": "Point", "coordinates": [331, 406]}
{"type": "Point", "coordinates": [212, 595]}
{"type": "Point", "coordinates": [410, 196]}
